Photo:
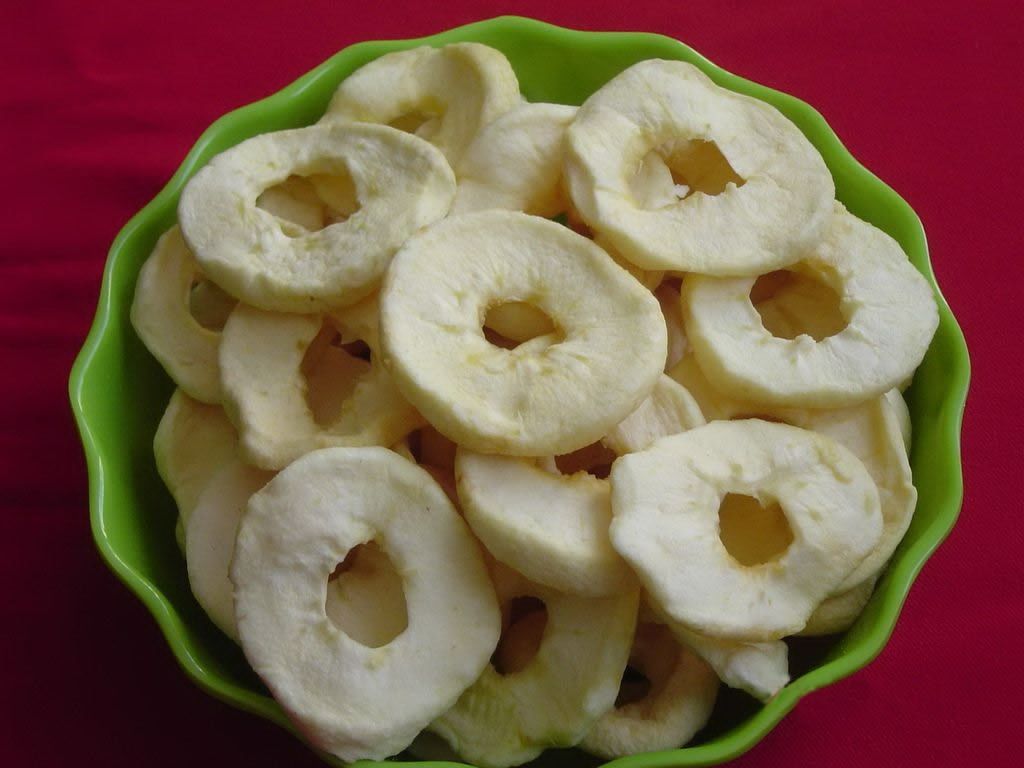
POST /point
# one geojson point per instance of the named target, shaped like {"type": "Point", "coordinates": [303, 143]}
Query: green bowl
{"type": "Point", "coordinates": [118, 391]}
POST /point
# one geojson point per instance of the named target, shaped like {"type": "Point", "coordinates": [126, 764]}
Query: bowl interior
{"type": "Point", "coordinates": [118, 391]}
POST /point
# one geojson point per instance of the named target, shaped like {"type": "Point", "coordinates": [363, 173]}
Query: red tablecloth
{"type": "Point", "coordinates": [100, 101]}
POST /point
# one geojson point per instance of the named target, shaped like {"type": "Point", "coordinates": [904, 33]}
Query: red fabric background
{"type": "Point", "coordinates": [101, 101]}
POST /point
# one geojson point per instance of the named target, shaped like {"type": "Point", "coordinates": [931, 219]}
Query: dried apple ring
{"type": "Point", "coordinates": [366, 602]}
{"type": "Point", "coordinates": [899, 407]}
{"type": "Point", "coordinates": [428, 447]}
{"type": "Point", "coordinates": [837, 613]}
{"type": "Point", "coordinates": [553, 527]}
{"type": "Point", "coordinates": [649, 278]}
{"type": "Point", "coordinates": [444, 95]}
{"type": "Point", "coordinates": [431, 747]}
{"type": "Point", "coordinates": [674, 704]}
{"type": "Point", "coordinates": [306, 204]}
{"type": "Point", "coordinates": [517, 322]}
{"type": "Point", "coordinates": [890, 311]}
{"type": "Point", "coordinates": [210, 540]}
{"type": "Point", "coordinates": [265, 392]}
{"type": "Point", "coordinates": [515, 163]}
{"type": "Point", "coordinates": [161, 316]}
{"type": "Point", "coordinates": [871, 431]}
{"type": "Point", "coordinates": [365, 597]}
{"type": "Point", "coordinates": [436, 454]}
{"type": "Point", "coordinates": [665, 503]}
{"type": "Point", "coordinates": [403, 450]}
{"type": "Point", "coordinates": [761, 669]}
{"type": "Point", "coordinates": [669, 410]}
{"type": "Point", "coordinates": [401, 182]}
{"type": "Point", "coordinates": [668, 296]}
{"type": "Point", "coordinates": [792, 303]}
{"type": "Point", "coordinates": [653, 186]}
{"type": "Point", "coordinates": [297, 530]}
{"type": "Point", "coordinates": [554, 688]}
{"type": "Point", "coordinates": [752, 190]}
{"type": "Point", "coordinates": [192, 443]}
{"type": "Point", "coordinates": [295, 201]}
{"type": "Point", "coordinates": [433, 304]}
{"type": "Point", "coordinates": [796, 303]}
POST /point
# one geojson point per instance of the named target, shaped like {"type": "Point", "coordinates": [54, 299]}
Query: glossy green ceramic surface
{"type": "Point", "coordinates": [118, 391]}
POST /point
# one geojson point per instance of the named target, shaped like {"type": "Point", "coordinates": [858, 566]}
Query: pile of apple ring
{"type": "Point", "coordinates": [504, 426]}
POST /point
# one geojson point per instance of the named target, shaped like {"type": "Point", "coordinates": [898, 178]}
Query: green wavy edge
{"type": "Point", "coordinates": [906, 565]}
